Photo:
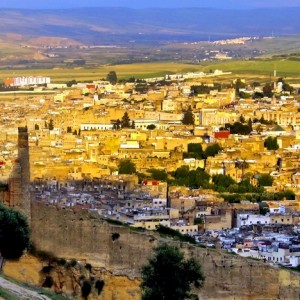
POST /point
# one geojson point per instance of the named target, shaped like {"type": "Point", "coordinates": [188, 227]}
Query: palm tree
{"type": "Point", "coordinates": [241, 164]}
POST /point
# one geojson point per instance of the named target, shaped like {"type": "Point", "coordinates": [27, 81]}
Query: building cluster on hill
{"type": "Point", "coordinates": [198, 158]}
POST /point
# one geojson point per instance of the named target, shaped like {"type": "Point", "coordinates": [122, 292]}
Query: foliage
{"type": "Point", "coordinates": [99, 284]}
{"type": "Point", "coordinates": [86, 289]}
{"type": "Point", "coordinates": [48, 283]}
{"type": "Point", "coordinates": [268, 90]}
{"type": "Point", "coordinates": [151, 127]}
{"type": "Point", "coordinates": [238, 128]}
{"type": "Point", "coordinates": [112, 77]}
{"type": "Point", "coordinates": [212, 150]}
{"type": "Point", "coordinates": [182, 172]}
{"type": "Point", "coordinates": [242, 119]}
{"type": "Point", "coordinates": [14, 233]}
{"type": "Point", "coordinates": [126, 166]}
{"type": "Point", "coordinates": [194, 151]}
{"type": "Point", "coordinates": [271, 143]}
{"type": "Point", "coordinates": [188, 117]}
{"type": "Point", "coordinates": [166, 231]}
{"type": "Point", "coordinates": [263, 208]}
{"type": "Point", "coordinates": [141, 88]}
{"type": "Point", "coordinates": [221, 180]}
{"type": "Point", "coordinates": [250, 123]}
{"type": "Point", "coordinates": [51, 125]}
{"type": "Point", "coordinates": [168, 276]}
{"type": "Point", "coordinates": [125, 121]}
{"type": "Point", "coordinates": [257, 95]}
{"type": "Point", "coordinates": [285, 86]}
{"type": "Point", "coordinates": [242, 165]}
{"type": "Point", "coordinates": [193, 179]}
{"type": "Point", "coordinates": [239, 84]}
{"type": "Point", "coordinates": [157, 174]}
{"type": "Point", "coordinates": [117, 124]}
{"type": "Point", "coordinates": [265, 180]}
{"type": "Point", "coordinates": [198, 221]}
{"type": "Point", "coordinates": [204, 89]}
{"type": "Point", "coordinates": [71, 82]}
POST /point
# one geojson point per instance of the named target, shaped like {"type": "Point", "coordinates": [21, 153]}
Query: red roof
{"type": "Point", "coordinates": [222, 134]}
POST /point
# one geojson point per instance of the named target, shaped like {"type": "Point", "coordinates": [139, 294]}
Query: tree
{"type": "Point", "coordinates": [222, 180]}
{"type": "Point", "coordinates": [168, 276]}
{"type": "Point", "coordinates": [14, 233]}
{"type": "Point", "coordinates": [182, 172]}
{"type": "Point", "coordinates": [51, 125]}
{"type": "Point", "coordinates": [239, 84]}
{"type": "Point", "coordinates": [117, 124]}
{"type": "Point", "coordinates": [86, 289]}
{"type": "Point", "coordinates": [212, 150]}
{"type": "Point", "coordinates": [242, 119]}
{"type": "Point", "coordinates": [151, 127]}
{"type": "Point", "coordinates": [99, 284]}
{"type": "Point", "coordinates": [157, 174]}
{"type": "Point", "coordinates": [194, 151]}
{"type": "Point", "coordinates": [271, 143]}
{"type": "Point", "coordinates": [188, 117]}
{"type": "Point", "coordinates": [265, 180]}
{"type": "Point", "coordinates": [70, 83]}
{"type": "Point", "coordinates": [250, 123]}
{"type": "Point", "coordinates": [125, 122]}
{"type": "Point", "coordinates": [238, 128]}
{"type": "Point", "coordinates": [132, 124]}
{"type": "Point", "coordinates": [268, 90]}
{"type": "Point", "coordinates": [242, 165]}
{"type": "Point", "coordinates": [263, 208]}
{"type": "Point", "coordinates": [112, 77]}
{"type": "Point", "coordinates": [126, 166]}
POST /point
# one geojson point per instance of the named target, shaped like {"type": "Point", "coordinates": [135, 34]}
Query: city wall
{"type": "Point", "coordinates": [80, 235]}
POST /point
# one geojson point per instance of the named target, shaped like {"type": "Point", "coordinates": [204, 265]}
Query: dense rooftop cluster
{"type": "Point", "coordinates": [173, 151]}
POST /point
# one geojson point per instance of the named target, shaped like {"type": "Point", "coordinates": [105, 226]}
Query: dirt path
{"type": "Point", "coordinates": [21, 292]}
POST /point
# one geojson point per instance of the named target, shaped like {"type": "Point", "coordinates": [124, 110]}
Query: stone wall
{"type": "Point", "coordinates": [78, 234]}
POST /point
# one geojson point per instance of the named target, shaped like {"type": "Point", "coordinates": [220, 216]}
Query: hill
{"type": "Point", "coordinates": [151, 25]}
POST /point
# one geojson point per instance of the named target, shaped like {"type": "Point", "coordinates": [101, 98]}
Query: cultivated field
{"type": "Point", "coordinates": [252, 69]}
{"type": "Point", "coordinates": [143, 70]}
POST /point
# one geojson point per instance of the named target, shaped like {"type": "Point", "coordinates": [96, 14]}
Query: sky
{"type": "Point", "coordinates": [229, 4]}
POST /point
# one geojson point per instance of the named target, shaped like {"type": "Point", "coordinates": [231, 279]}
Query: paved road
{"type": "Point", "coordinates": [21, 292]}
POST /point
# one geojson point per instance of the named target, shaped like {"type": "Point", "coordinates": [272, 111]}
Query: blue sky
{"type": "Point", "coordinates": [44, 4]}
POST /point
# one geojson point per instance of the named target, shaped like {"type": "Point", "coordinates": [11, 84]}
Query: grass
{"type": "Point", "coordinates": [284, 68]}
{"type": "Point", "coordinates": [141, 70]}
{"type": "Point", "coordinates": [9, 296]}
{"type": "Point", "coordinates": [251, 69]}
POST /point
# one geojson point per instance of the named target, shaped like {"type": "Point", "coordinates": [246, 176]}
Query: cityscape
{"type": "Point", "coordinates": [177, 182]}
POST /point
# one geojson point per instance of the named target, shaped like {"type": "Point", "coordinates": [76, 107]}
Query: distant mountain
{"type": "Point", "coordinates": [148, 26]}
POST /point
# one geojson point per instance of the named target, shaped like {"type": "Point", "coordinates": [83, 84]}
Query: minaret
{"type": "Point", "coordinates": [20, 178]}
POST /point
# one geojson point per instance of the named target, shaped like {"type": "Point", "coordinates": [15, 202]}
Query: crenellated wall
{"type": "Point", "coordinates": [78, 234]}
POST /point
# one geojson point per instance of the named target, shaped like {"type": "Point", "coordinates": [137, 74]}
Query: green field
{"type": "Point", "coordinates": [253, 68]}
{"type": "Point", "coordinates": [284, 68]}
{"type": "Point", "coordinates": [142, 70]}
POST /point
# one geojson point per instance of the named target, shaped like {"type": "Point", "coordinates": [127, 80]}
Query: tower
{"type": "Point", "coordinates": [18, 184]}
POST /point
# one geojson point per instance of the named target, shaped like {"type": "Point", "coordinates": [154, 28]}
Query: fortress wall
{"type": "Point", "coordinates": [80, 235]}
